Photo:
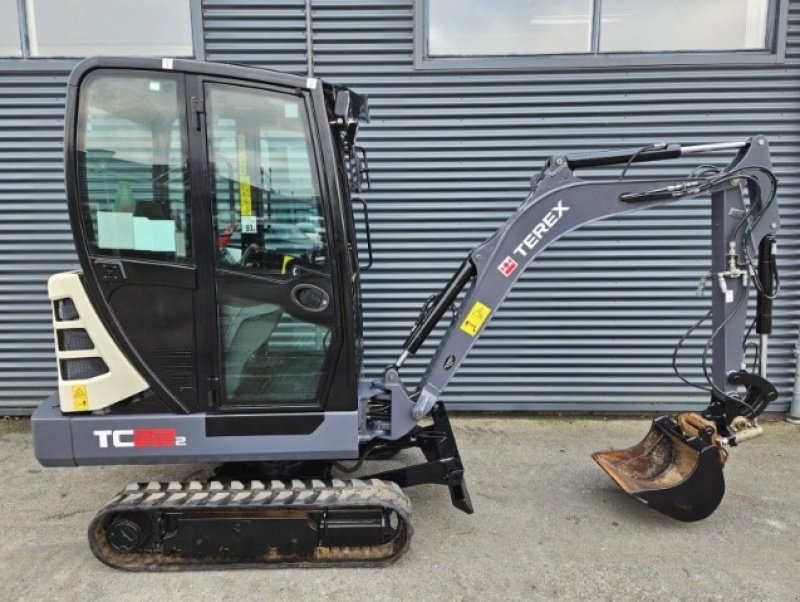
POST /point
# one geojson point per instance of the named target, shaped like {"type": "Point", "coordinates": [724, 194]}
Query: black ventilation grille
{"type": "Point", "coordinates": [66, 310]}
{"type": "Point", "coordinates": [82, 368]}
{"type": "Point", "coordinates": [74, 339]}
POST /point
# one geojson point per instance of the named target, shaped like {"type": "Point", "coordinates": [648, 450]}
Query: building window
{"type": "Point", "coordinates": [477, 27]}
{"type": "Point", "coordinates": [677, 25]}
{"type": "Point", "coordinates": [485, 33]}
{"type": "Point", "coordinates": [9, 29]}
{"type": "Point", "coordinates": [79, 28]}
{"type": "Point", "coordinates": [121, 27]}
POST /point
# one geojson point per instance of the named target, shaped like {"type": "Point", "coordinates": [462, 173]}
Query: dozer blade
{"type": "Point", "coordinates": [675, 474]}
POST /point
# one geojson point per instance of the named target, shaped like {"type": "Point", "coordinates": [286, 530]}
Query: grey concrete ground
{"type": "Point", "coordinates": [548, 525]}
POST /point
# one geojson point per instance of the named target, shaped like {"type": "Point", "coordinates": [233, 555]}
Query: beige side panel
{"type": "Point", "coordinates": [120, 382]}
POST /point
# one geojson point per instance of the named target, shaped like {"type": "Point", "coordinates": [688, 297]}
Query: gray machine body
{"type": "Point", "coordinates": [81, 439]}
{"type": "Point", "coordinates": [559, 203]}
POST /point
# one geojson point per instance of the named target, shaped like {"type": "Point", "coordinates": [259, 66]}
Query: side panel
{"type": "Point", "coordinates": [52, 437]}
{"type": "Point", "coordinates": [62, 440]}
{"type": "Point", "coordinates": [91, 345]}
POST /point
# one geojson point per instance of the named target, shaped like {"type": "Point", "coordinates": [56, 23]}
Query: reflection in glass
{"type": "Point", "coordinates": [270, 238]}
{"type": "Point", "coordinates": [655, 25]}
{"type": "Point", "coordinates": [9, 29]}
{"type": "Point", "coordinates": [131, 163]}
{"type": "Point", "coordinates": [109, 27]}
{"type": "Point", "coordinates": [268, 207]}
{"type": "Point", "coordinates": [488, 27]}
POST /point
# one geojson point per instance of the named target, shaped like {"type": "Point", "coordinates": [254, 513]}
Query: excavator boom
{"type": "Point", "coordinates": [677, 468]}
{"type": "Point", "coordinates": [561, 202]}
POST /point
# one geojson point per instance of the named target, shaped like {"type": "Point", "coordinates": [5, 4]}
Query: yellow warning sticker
{"type": "Point", "coordinates": [80, 397]}
{"type": "Point", "coordinates": [475, 318]}
{"type": "Point", "coordinates": [245, 198]}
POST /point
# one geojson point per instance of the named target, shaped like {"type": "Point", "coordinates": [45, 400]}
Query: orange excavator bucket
{"type": "Point", "coordinates": [676, 469]}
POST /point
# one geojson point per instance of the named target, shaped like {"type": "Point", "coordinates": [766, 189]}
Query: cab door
{"type": "Point", "coordinates": [132, 209]}
{"type": "Point", "coordinates": [276, 294]}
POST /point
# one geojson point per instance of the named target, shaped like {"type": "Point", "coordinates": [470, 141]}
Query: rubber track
{"type": "Point", "coordinates": [249, 496]}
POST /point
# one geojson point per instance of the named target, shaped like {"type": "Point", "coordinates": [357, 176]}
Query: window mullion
{"type": "Point", "coordinates": [596, 20]}
{"type": "Point", "coordinates": [773, 16]}
{"type": "Point", "coordinates": [22, 17]}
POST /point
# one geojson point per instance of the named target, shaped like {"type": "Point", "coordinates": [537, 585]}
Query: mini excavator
{"type": "Point", "coordinates": [216, 318]}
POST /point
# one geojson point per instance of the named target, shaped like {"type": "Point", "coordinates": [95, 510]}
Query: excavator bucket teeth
{"type": "Point", "coordinates": [674, 474]}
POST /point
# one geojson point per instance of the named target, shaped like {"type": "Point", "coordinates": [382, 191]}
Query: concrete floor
{"type": "Point", "coordinates": [548, 525]}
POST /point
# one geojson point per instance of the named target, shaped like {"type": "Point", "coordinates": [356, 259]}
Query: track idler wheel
{"type": "Point", "coordinates": [676, 469]}
{"type": "Point", "coordinates": [128, 531]}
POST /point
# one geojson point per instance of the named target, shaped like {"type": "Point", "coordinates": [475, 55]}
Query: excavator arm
{"type": "Point", "coordinates": [744, 219]}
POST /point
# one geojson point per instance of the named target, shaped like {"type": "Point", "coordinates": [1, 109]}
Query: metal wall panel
{"type": "Point", "coordinates": [270, 34]}
{"type": "Point", "coordinates": [590, 326]}
{"type": "Point", "coordinates": [35, 240]}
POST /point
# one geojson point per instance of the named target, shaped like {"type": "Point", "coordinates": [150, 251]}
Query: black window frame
{"type": "Point", "coordinates": [775, 53]}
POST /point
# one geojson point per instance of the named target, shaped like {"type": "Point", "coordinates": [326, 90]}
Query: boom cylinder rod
{"type": "Point", "coordinates": [653, 152]}
{"type": "Point", "coordinates": [434, 314]}
{"type": "Point", "coordinates": [714, 146]}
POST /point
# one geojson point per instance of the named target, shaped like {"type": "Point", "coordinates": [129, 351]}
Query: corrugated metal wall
{"type": "Point", "coordinates": [590, 327]}
{"type": "Point", "coordinates": [35, 240]}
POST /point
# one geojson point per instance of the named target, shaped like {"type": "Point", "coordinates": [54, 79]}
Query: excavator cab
{"type": "Point", "coordinates": [209, 208]}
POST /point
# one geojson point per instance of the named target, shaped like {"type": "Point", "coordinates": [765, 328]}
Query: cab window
{"type": "Point", "coordinates": [267, 202]}
{"type": "Point", "coordinates": [273, 285]}
{"type": "Point", "coordinates": [131, 166]}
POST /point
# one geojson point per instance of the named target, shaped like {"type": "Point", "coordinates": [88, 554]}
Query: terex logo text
{"type": "Point", "coordinates": [540, 229]}
{"type": "Point", "coordinates": [164, 437]}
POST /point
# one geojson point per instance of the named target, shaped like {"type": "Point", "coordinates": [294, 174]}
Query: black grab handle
{"type": "Point", "coordinates": [357, 199]}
